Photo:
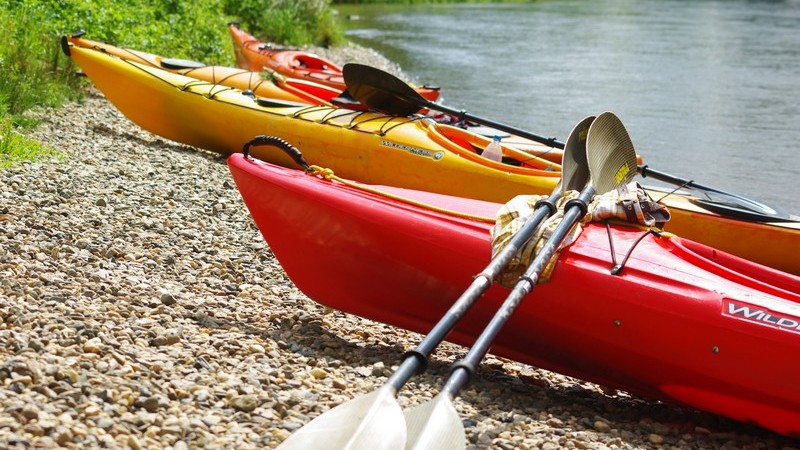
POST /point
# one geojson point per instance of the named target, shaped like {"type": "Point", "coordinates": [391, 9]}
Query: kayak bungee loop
{"type": "Point", "coordinates": [616, 268]}
{"type": "Point", "coordinates": [327, 174]}
{"type": "Point", "coordinates": [629, 204]}
{"type": "Point", "coordinates": [394, 121]}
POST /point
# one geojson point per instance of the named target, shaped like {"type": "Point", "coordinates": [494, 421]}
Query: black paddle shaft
{"type": "Point", "coordinates": [765, 211]}
{"type": "Point", "coordinates": [645, 171]}
{"type": "Point", "coordinates": [416, 360]}
{"type": "Point", "coordinates": [463, 370]}
{"type": "Point", "coordinates": [463, 115]}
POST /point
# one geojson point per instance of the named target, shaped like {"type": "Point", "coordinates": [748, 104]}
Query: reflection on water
{"type": "Point", "coordinates": [708, 89]}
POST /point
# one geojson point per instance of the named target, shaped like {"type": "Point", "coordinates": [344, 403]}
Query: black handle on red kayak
{"type": "Point", "coordinates": [287, 148]}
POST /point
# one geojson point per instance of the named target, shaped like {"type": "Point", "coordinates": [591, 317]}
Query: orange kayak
{"type": "Point", "coordinates": [266, 83]}
{"type": "Point", "coordinates": [254, 54]}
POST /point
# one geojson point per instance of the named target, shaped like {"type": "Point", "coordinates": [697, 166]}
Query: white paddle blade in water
{"type": "Point", "coordinates": [370, 422]}
{"type": "Point", "coordinates": [435, 425]}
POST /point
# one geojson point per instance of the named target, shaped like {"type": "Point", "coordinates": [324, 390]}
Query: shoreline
{"type": "Point", "coordinates": [142, 309]}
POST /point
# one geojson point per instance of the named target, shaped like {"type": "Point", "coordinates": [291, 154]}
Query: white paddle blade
{"type": "Point", "coordinates": [435, 425]}
{"type": "Point", "coordinates": [370, 422]}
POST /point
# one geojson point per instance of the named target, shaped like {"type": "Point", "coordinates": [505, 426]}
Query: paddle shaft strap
{"type": "Point", "coordinates": [462, 370]}
{"type": "Point", "coordinates": [416, 360]}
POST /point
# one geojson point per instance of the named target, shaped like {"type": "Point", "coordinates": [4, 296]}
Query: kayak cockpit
{"type": "Point", "coordinates": [740, 270]}
{"type": "Point", "coordinates": [470, 145]}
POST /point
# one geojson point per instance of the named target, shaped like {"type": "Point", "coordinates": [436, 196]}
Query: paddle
{"type": "Point", "coordinates": [611, 158]}
{"type": "Point", "coordinates": [375, 421]}
{"type": "Point", "coordinates": [385, 92]}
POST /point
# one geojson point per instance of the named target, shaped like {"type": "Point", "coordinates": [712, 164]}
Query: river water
{"type": "Point", "coordinates": [708, 90]}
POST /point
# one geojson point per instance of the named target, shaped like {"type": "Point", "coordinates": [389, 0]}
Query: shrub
{"type": "Point", "coordinates": [291, 22]}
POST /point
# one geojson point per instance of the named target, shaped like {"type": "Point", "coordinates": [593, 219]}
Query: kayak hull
{"type": "Point", "coordinates": [670, 327]}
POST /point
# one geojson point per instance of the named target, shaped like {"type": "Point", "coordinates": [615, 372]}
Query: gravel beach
{"type": "Point", "coordinates": [140, 308]}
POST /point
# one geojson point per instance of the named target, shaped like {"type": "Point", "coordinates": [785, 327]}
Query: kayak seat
{"type": "Point", "coordinates": [177, 64]}
{"type": "Point", "coordinates": [461, 142]}
{"type": "Point", "coordinates": [474, 144]}
{"type": "Point", "coordinates": [276, 103]}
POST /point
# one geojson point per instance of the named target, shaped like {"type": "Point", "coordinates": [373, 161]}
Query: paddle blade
{"type": "Point", "coordinates": [574, 167]}
{"type": "Point", "coordinates": [381, 90]}
{"type": "Point", "coordinates": [610, 152]}
{"type": "Point", "coordinates": [435, 425]}
{"type": "Point", "coordinates": [371, 422]}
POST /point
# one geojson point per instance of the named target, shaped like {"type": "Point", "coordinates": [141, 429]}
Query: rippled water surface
{"type": "Point", "coordinates": [708, 90]}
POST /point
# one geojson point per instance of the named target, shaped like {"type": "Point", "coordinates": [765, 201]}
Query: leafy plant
{"type": "Point", "coordinates": [289, 22]}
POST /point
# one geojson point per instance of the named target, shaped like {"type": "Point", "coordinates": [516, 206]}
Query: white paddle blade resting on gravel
{"type": "Point", "coordinates": [435, 425]}
{"type": "Point", "coordinates": [369, 422]}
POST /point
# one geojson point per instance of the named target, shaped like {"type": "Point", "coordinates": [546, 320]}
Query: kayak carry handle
{"type": "Point", "coordinates": [275, 141]}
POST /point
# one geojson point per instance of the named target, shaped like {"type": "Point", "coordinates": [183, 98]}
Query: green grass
{"type": "Point", "coordinates": [16, 146]}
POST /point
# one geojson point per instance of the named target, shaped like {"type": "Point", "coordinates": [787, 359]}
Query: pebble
{"type": "Point", "coordinates": [602, 426]}
{"type": "Point", "coordinates": [246, 403]}
{"type": "Point", "coordinates": [168, 299]}
{"type": "Point", "coordinates": [131, 316]}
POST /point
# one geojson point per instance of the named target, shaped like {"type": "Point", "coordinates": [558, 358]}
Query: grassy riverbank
{"type": "Point", "coordinates": [35, 73]}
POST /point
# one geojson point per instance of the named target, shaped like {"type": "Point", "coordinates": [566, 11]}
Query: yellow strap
{"type": "Point", "coordinates": [328, 174]}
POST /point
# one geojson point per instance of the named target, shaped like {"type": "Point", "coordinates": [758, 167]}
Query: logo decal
{"type": "Point", "coordinates": [764, 316]}
{"type": "Point", "coordinates": [436, 156]}
{"type": "Point", "coordinates": [622, 173]}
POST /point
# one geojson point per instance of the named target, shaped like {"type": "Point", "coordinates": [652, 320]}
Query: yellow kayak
{"type": "Point", "coordinates": [373, 148]}
{"type": "Point", "coordinates": [270, 84]}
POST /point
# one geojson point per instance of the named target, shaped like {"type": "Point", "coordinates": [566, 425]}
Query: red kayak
{"type": "Point", "coordinates": [681, 322]}
{"type": "Point", "coordinates": [254, 54]}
